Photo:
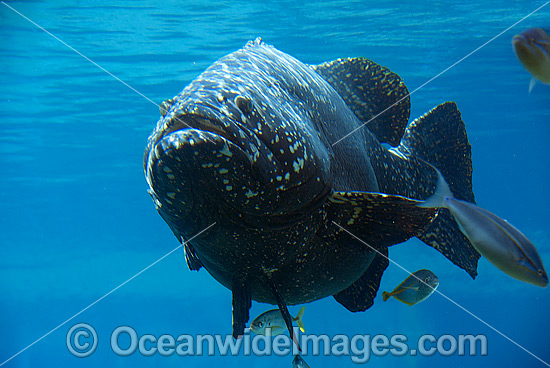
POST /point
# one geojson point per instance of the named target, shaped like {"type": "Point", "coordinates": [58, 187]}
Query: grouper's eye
{"type": "Point", "coordinates": [244, 104]}
{"type": "Point", "coordinates": [165, 106]}
{"type": "Point", "coordinates": [261, 324]}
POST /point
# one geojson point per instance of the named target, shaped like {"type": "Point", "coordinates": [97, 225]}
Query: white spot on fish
{"type": "Point", "coordinates": [225, 151]}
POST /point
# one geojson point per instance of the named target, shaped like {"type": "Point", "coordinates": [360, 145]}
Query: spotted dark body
{"type": "Point", "coordinates": [250, 145]}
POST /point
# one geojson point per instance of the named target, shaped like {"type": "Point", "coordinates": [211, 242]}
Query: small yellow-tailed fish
{"type": "Point", "coordinates": [494, 238]}
{"type": "Point", "coordinates": [299, 362]}
{"type": "Point", "coordinates": [532, 47]}
{"type": "Point", "coordinates": [273, 319]}
{"type": "Point", "coordinates": [415, 288]}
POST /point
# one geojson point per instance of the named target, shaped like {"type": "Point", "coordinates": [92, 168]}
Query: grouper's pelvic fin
{"type": "Point", "coordinates": [439, 138]}
{"type": "Point", "coordinates": [242, 301]}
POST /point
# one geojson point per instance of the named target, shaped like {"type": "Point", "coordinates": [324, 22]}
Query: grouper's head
{"type": "Point", "coordinates": [236, 143]}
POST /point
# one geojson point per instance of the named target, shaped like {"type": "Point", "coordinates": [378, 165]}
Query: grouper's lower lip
{"type": "Point", "coordinates": [195, 122]}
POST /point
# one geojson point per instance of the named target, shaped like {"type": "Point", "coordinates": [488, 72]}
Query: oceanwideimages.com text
{"type": "Point", "coordinates": [82, 341]}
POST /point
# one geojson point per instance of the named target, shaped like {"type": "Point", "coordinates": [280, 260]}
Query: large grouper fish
{"type": "Point", "coordinates": [254, 145]}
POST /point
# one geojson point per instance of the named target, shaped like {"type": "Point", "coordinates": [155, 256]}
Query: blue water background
{"type": "Point", "coordinates": [76, 220]}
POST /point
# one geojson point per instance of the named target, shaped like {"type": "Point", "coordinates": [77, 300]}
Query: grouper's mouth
{"type": "Point", "coordinates": [210, 120]}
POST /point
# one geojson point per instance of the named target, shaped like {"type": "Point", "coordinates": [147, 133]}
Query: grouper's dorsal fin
{"type": "Point", "coordinates": [378, 219]}
{"type": "Point", "coordinates": [368, 89]}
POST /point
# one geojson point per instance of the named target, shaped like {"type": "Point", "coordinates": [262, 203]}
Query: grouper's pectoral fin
{"type": "Point", "coordinates": [242, 301]}
{"type": "Point", "coordinates": [193, 261]}
{"type": "Point", "coordinates": [369, 89]}
{"type": "Point", "coordinates": [378, 219]}
{"type": "Point", "coordinates": [191, 257]}
{"type": "Point", "coordinates": [360, 295]}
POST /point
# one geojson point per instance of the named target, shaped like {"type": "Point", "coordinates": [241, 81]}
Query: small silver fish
{"type": "Point", "coordinates": [299, 362]}
{"type": "Point", "coordinates": [415, 288]}
{"type": "Point", "coordinates": [494, 238]}
{"type": "Point", "coordinates": [273, 319]}
{"type": "Point", "coordinates": [532, 48]}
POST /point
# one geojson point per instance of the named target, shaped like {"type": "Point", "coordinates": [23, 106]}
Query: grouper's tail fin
{"type": "Point", "coordinates": [439, 138]}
